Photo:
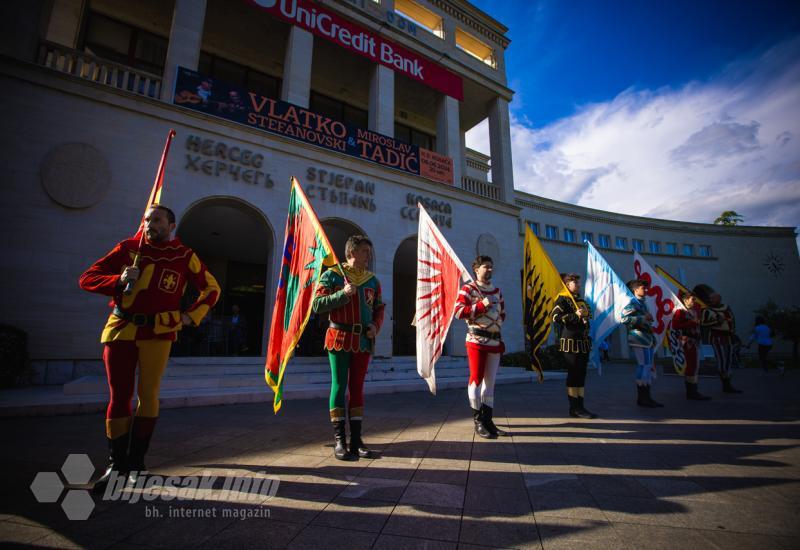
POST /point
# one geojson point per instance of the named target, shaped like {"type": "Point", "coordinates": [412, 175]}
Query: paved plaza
{"type": "Point", "coordinates": [722, 474]}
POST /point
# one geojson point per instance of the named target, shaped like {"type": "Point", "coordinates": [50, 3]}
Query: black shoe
{"type": "Point", "coordinates": [480, 427]}
{"type": "Point", "coordinates": [582, 412]}
{"type": "Point", "coordinates": [340, 442]}
{"type": "Point", "coordinates": [357, 445]}
{"type": "Point", "coordinates": [487, 414]}
{"type": "Point", "coordinates": [117, 463]}
{"type": "Point", "coordinates": [653, 402]}
{"type": "Point", "coordinates": [643, 397]}
{"type": "Point", "coordinates": [693, 394]}
{"type": "Point", "coordinates": [727, 387]}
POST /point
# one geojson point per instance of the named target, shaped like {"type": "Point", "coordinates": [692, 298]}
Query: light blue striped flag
{"type": "Point", "coordinates": [606, 295]}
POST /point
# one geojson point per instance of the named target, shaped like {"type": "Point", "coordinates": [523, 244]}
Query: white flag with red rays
{"type": "Point", "coordinates": [439, 274]}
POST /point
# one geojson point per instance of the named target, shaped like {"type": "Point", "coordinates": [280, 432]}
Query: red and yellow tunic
{"type": "Point", "coordinates": [165, 269]}
{"type": "Point", "coordinates": [365, 307]}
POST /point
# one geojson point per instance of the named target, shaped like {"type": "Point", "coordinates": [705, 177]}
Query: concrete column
{"type": "Point", "coordinates": [185, 40]}
{"type": "Point", "coordinates": [296, 87]}
{"type": "Point", "coordinates": [500, 145]}
{"type": "Point", "coordinates": [448, 134]}
{"type": "Point", "coordinates": [381, 100]}
{"type": "Point", "coordinates": [449, 25]}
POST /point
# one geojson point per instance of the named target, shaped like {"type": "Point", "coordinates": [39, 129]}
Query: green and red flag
{"type": "Point", "coordinates": [305, 251]}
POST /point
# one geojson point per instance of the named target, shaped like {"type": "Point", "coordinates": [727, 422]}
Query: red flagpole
{"type": "Point", "coordinates": [155, 194]}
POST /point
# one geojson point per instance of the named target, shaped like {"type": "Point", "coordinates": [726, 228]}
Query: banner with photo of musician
{"type": "Point", "coordinates": [209, 95]}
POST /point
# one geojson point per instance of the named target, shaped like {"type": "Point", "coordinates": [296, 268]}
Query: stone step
{"type": "Point", "coordinates": [177, 370]}
{"type": "Point", "coordinates": [51, 400]}
{"type": "Point", "coordinates": [98, 384]}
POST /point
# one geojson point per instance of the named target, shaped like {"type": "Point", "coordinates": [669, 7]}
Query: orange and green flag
{"type": "Point", "coordinates": [305, 251]}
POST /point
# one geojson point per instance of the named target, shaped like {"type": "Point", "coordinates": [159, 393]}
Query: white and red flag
{"type": "Point", "coordinates": [661, 301]}
{"type": "Point", "coordinates": [439, 274]}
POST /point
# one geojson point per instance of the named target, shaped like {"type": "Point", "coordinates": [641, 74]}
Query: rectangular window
{"type": "Point", "coordinates": [604, 241]}
{"type": "Point", "coordinates": [704, 251]}
{"type": "Point", "coordinates": [569, 235]}
{"type": "Point", "coordinates": [420, 15]}
{"type": "Point", "coordinates": [688, 250]}
{"type": "Point", "coordinates": [622, 243]}
{"type": "Point", "coordinates": [338, 110]}
{"type": "Point", "coordinates": [551, 232]}
{"type": "Point", "coordinates": [637, 245]}
{"type": "Point", "coordinates": [475, 47]}
{"type": "Point", "coordinates": [124, 44]}
{"type": "Point", "coordinates": [238, 75]}
{"type": "Point", "coordinates": [655, 247]}
{"type": "Point", "coordinates": [534, 228]}
{"type": "Point", "coordinates": [406, 134]}
{"type": "Point", "coordinates": [586, 237]}
{"type": "Point", "coordinates": [672, 249]}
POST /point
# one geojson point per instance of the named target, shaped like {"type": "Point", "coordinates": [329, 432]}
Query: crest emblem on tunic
{"type": "Point", "coordinates": [369, 295]}
{"type": "Point", "coordinates": [169, 281]}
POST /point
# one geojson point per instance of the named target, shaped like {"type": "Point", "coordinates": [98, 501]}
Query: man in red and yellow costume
{"type": "Point", "coordinates": [141, 328]}
{"type": "Point", "coordinates": [351, 295]}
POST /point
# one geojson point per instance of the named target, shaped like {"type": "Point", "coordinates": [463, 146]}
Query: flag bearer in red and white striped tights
{"type": "Point", "coordinates": [481, 305]}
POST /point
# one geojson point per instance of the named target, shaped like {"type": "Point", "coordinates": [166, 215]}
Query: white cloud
{"type": "Point", "coordinates": [730, 143]}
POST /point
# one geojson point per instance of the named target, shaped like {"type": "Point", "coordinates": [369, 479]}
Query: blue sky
{"type": "Point", "coordinates": [698, 102]}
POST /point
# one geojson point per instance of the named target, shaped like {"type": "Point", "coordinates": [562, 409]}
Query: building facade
{"type": "Point", "coordinates": [366, 102]}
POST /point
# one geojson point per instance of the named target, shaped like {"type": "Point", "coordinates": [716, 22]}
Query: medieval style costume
{"type": "Point", "coordinates": [641, 341]}
{"type": "Point", "coordinates": [686, 328]}
{"type": "Point", "coordinates": [717, 318]}
{"type": "Point", "coordinates": [349, 349]}
{"type": "Point", "coordinates": [574, 344]}
{"type": "Point", "coordinates": [484, 348]}
{"type": "Point", "coordinates": [140, 330]}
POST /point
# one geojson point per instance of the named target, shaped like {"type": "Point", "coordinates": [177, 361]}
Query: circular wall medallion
{"type": "Point", "coordinates": [75, 175]}
{"type": "Point", "coordinates": [487, 246]}
{"type": "Point", "coordinates": [774, 264]}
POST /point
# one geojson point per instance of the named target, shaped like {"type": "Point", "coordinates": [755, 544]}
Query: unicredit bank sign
{"type": "Point", "coordinates": [326, 24]}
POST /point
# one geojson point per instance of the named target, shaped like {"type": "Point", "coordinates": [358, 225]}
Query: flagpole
{"type": "Point", "coordinates": [155, 192]}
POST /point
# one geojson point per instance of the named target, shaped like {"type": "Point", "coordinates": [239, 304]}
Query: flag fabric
{"type": "Point", "coordinates": [677, 284]}
{"type": "Point", "coordinates": [661, 301]}
{"type": "Point", "coordinates": [439, 274]}
{"type": "Point", "coordinates": [542, 284]}
{"type": "Point", "coordinates": [673, 338]}
{"type": "Point", "coordinates": [305, 251]}
{"type": "Point", "coordinates": [607, 295]}
{"type": "Point", "coordinates": [155, 192]}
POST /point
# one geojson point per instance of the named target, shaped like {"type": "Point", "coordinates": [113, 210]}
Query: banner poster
{"type": "Point", "coordinates": [327, 25]}
{"type": "Point", "coordinates": [214, 97]}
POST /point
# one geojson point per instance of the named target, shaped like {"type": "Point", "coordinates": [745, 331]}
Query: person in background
{"type": "Point", "coordinates": [762, 335]}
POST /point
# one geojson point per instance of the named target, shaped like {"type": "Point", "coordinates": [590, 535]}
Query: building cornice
{"type": "Point", "coordinates": [535, 202]}
{"type": "Point", "coordinates": [476, 19]}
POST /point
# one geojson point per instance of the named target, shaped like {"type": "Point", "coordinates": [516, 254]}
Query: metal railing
{"type": "Point", "coordinates": [83, 65]}
{"type": "Point", "coordinates": [482, 188]}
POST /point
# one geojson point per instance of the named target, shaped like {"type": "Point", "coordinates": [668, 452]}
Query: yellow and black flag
{"type": "Point", "coordinates": [541, 285]}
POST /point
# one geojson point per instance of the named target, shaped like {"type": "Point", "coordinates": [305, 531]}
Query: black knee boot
{"type": "Point", "coordinates": [480, 427]}
{"type": "Point", "coordinates": [357, 445]}
{"type": "Point", "coordinates": [693, 394]}
{"type": "Point", "coordinates": [653, 402]}
{"type": "Point", "coordinates": [643, 397]}
{"type": "Point", "coordinates": [727, 387]}
{"type": "Point", "coordinates": [487, 414]}
{"type": "Point", "coordinates": [340, 442]}
{"type": "Point", "coordinates": [117, 462]}
{"type": "Point", "coordinates": [136, 467]}
{"type": "Point", "coordinates": [582, 410]}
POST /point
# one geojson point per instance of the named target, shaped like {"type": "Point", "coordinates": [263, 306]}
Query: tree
{"type": "Point", "coordinates": [785, 323]}
{"type": "Point", "coordinates": [729, 217]}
